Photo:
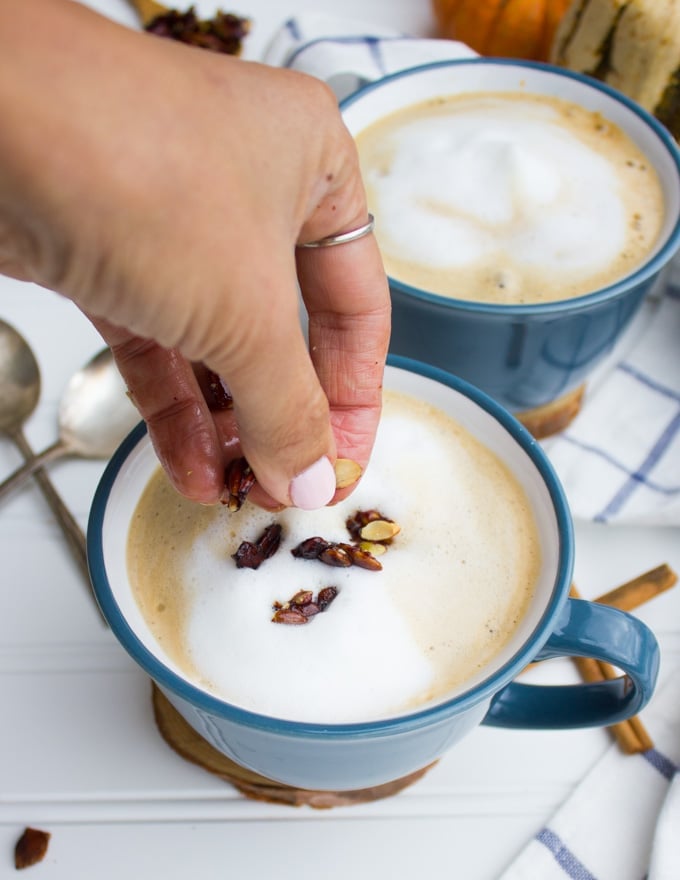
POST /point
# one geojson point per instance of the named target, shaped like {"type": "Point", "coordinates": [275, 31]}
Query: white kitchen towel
{"type": "Point", "coordinates": [665, 861]}
{"type": "Point", "coordinates": [623, 820]}
{"type": "Point", "coordinates": [619, 460]}
{"type": "Point", "coordinates": [347, 53]}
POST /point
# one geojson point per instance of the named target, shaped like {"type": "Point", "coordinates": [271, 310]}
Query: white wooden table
{"type": "Point", "coordinates": [79, 753]}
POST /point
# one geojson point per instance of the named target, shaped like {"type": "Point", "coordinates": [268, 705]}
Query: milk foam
{"type": "Point", "coordinates": [454, 582]}
{"type": "Point", "coordinates": [546, 199]}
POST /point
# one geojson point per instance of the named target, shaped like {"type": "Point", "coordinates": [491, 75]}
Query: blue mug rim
{"type": "Point", "coordinates": [642, 274]}
{"type": "Point", "coordinates": [483, 691]}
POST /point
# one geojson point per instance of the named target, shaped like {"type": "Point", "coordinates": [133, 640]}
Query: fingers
{"type": "Point", "coordinates": [289, 408]}
{"type": "Point", "coordinates": [164, 389]}
{"type": "Point", "coordinates": [279, 405]}
{"type": "Point", "coordinates": [347, 298]}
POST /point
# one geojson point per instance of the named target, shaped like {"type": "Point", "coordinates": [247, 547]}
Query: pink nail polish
{"type": "Point", "coordinates": [314, 487]}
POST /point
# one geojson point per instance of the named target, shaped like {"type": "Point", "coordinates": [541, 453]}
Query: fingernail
{"type": "Point", "coordinates": [314, 487]}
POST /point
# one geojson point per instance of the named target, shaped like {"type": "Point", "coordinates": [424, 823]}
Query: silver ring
{"type": "Point", "coordinates": [343, 237]}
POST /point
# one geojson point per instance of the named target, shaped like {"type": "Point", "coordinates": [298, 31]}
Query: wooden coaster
{"type": "Point", "coordinates": [554, 416]}
{"type": "Point", "coordinates": [181, 737]}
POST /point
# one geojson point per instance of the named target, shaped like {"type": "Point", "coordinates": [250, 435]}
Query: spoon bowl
{"type": "Point", "coordinates": [95, 415]}
{"type": "Point", "coordinates": [20, 388]}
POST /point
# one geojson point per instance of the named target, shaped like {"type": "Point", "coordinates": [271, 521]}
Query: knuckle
{"type": "Point", "coordinates": [175, 413]}
{"type": "Point", "coordinates": [303, 432]}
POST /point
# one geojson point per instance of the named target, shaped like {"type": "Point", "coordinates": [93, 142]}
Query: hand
{"type": "Point", "coordinates": [164, 190]}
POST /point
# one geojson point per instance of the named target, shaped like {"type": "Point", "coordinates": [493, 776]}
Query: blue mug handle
{"type": "Point", "coordinates": [585, 629]}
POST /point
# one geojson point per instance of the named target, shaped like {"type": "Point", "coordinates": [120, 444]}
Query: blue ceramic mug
{"type": "Point", "coordinates": [525, 356]}
{"type": "Point", "coordinates": [359, 755]}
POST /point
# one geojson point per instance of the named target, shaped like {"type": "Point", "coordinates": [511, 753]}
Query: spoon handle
{"type": "Point", "coordinates": [32, 464]}
{"type": "Point", "coordinates": [69, 526]}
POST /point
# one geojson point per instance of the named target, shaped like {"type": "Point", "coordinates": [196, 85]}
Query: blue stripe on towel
{"type": "Point", "coordinates": [602, 453]}
{"type": "Point", "coordinates": [640, 475]}
{"type": "Point", "coordinates": [571, 866]}
{"type": "Point", "coordinates": [293, 28]}
{"type": "Point", "coordinates": [373, 45]}
{"type": "Point", "coordinates": [660, 762]}
{"type": "Point", "coordinates": [645, 380]}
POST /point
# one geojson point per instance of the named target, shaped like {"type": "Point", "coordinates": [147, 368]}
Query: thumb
{"type": "Point", "coordinates": [281, 410]}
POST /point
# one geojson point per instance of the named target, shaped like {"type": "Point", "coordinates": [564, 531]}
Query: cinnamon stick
{"type": "Point", "coordinates": [641, 589]}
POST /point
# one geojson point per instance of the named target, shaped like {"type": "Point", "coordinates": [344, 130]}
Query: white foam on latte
{"type": "Point", "coordinates": [455, 581]}
{"type": "Point", "coordinates": [508, 198]}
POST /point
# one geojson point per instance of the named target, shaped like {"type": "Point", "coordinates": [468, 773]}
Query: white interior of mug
{"type": "Point", "coordinates": [131, 478]}
{"type": "Point", "coordinates": [393, 93]}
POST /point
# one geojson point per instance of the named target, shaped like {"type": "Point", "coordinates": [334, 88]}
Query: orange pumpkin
{"type": "Point", "coordinates": [509, 28]}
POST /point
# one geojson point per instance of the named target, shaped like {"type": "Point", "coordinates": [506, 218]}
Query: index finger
{"type": "Point", "coordinates": [345, 291]}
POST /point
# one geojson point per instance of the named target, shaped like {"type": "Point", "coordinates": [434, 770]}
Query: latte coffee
{"type": "Point", "coordinates": [455, 581]}
{"type": "Point", "coordinates": [508, 198]}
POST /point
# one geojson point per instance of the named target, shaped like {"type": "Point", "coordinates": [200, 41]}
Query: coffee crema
{"type": "Point", "coordinates": [508, 198]}
{"type": "Point", "coordinates": [455, 582]}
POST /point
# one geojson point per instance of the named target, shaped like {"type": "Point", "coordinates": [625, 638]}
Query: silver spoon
{"type": "Point", "coordinates": [95, 415]}
{"type": "Point", "coordinates": [19, 394]}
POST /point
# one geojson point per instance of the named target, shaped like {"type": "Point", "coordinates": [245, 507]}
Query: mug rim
{"type": "Point", "coordinates": [439, 711]}
{"type": "Point", "coordinates": [643, 273]}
